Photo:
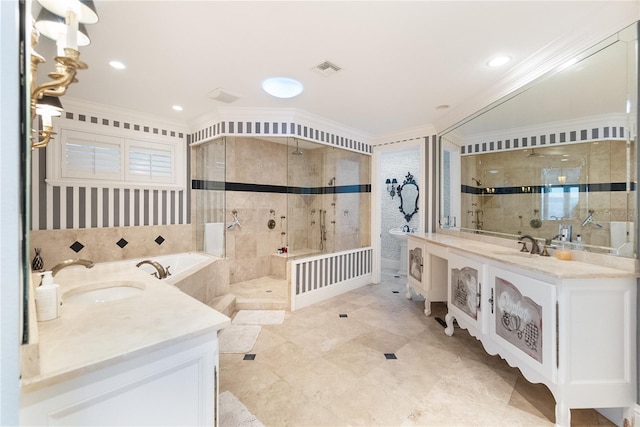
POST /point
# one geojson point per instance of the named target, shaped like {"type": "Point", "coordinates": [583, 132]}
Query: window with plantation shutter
{"type": "Point", "coordinates": [148, 162]}
{"type": "Point", "coordinates": [91, 156]}
{"type": "Point", "coordinates": [118, 161]}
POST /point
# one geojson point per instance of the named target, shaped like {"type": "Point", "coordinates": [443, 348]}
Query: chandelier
{"type": "Point", "coordinates": [62, 21]}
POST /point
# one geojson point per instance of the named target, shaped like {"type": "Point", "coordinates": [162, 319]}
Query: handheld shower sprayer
{"type": "Point", "coordinates": [589, 219]}
{"type": "Point", "coordinates": [235, 222]}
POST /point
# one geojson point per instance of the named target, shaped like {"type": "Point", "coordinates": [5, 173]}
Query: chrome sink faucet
{"type": "Point", "coordinates": [535, 249]}
{"type": "Point", "coordinates": [161, 272]}
{"type": "Point", "coordinates": [69, 262]}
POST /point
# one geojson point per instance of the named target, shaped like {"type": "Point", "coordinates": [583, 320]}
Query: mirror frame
{"type": "Point", "coordinates": [408, 181]}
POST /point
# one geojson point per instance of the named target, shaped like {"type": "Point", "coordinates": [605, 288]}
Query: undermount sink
{"type": "Point", "coordinates": [99, 293]}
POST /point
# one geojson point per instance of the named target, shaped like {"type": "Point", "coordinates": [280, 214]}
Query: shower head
{"type": "Point", "coordinates": [477, 181]}
{"type": "Point", "coordinates": [297, 152]}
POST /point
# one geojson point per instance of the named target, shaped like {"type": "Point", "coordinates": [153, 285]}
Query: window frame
{"type": "Point", "coordinates": [127, 140]}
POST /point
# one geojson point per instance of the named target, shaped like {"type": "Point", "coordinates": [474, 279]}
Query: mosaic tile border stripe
{"type": "Point", "coordinates": [581, 135]}
{"type": "Point", "coordinates": [262, 128]}
{"type": "Point", "coordinates": [199, 184]}
{"type": "Point", "coordinates": [89, 118]}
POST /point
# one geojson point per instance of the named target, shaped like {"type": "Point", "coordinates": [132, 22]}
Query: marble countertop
{"type": "Point", "coordinates": [511, 255]}
{"type": "Point", "coordinates": [88, 336]}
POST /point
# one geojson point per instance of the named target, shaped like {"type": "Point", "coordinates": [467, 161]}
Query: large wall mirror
{"type": "Point", "coordinates": [559, 157]}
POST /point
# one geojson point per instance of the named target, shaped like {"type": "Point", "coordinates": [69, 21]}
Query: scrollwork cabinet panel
{"type": "Point", "coordinates": [467, 285]}
{"type": "Point", "coordinates": [523, 321]}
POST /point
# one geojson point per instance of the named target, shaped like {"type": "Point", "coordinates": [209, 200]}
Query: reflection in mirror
{"type": "Point", "coordinates": [409, 194]}
{"type": "Point", "coordinates": [559, 157]}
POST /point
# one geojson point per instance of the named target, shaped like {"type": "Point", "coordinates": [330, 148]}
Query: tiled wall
{"type": "Point", "coordinates": [103, 222]}
{"type": "Point", "coordinates": [396, 164]}
{"type": "Point", "coordinates": [111, 243]}
{"type": "Point", "coordinates": [265, 181]}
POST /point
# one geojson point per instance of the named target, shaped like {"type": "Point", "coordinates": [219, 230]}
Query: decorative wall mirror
{"type": "Point", "coordinates": [560, 153]}
{"type": "Point", "coordinates": [408, 193]}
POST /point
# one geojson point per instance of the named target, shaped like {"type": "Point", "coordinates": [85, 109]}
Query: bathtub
{"type": "Point", "coordinates": [180, 265]}
{"type": "Point", "coordinates": [201, 276]}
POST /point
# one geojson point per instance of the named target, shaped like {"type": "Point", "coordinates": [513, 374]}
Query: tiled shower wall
{"type": "Point", "coordinates": [265, 181]}
{"type": "Point", "coordinates": [396, 164]}
{"type": "Point", "coordinates": [105, 223]}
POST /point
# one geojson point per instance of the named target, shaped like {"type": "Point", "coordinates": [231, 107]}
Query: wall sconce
{"type": "Point", "coordinates": [61, 21]}
{"type": "Point", "coordinates": [391, 186]}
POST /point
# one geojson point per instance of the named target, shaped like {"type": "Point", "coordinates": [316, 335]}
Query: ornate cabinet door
{"type": "Point", "coordinates": [523, 319]}
{"type": "Point", "coordinates": [415, 267]}
{"type": "Point", "coordinates": [466, 288]}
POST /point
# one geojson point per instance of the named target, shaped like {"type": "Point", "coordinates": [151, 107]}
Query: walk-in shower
{"type": "Point", "coordinates": [242, 183]}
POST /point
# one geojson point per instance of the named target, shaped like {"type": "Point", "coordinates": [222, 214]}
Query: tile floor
{"type": "Point", "coordinates": [321, 369]}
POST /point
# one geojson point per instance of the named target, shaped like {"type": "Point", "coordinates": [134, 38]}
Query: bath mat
{"type": "Point", "coordinates": [233, 413]}
{"type": "Point", "coordinates": [259, 317]}
{"type": "Point", "coordinates": [238, 338]}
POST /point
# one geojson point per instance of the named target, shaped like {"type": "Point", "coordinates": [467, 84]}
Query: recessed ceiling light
{"type": "Point", "coordinates": [282, 87]}
{"type": "Point", "coordinates": [498, 61]}
{"type": "Point", "coordinates": [117, 65]}
{"type": "Point", "coordinates": [177, 108]}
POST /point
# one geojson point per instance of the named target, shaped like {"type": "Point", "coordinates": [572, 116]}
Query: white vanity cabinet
{"type": "Point", "coordinates": [522, 322]}
{"type": "Point", "coordinates": [576, 335]}
{"type": "Point", "coordinates": [174, 385]}
{"type": "Point", "coordinates": [426, 271]}
{"type": "Point", "coordinates": [467, 286]}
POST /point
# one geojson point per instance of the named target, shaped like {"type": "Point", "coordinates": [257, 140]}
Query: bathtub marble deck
{"type": "Point", "coordinates": [321, 369]}
{"type": "Point", "coordinates": [263, 293]}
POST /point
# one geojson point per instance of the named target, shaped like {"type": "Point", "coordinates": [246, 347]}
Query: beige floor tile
{"type": "Point", "coordinates": [382, 341]}
{"type": "Point", "coordinates": [317, 369]}
{"type": "Point", "coordinates": [356, 358]}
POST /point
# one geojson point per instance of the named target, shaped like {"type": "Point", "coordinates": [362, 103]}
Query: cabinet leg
{"type": "Point", "coordinates": [427, 307]}
{"type": "Point", "coordinates": [408, 294]}
{"type": "Point", "coordinates": [449, 320]}
{"type": "Point", "coordinates": [563, 415]}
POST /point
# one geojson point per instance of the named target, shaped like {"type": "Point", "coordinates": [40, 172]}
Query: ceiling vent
{"type": "Point", "coordinates": [326, 68]}
{"type": "Point", "coordinates": [222, 95]}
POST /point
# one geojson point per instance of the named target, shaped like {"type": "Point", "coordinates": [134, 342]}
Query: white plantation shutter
{"type": "Point", "coordinates": [91, 156]}
{"type": "Point", "coordinates": [109, 159]}
{"type": "Point", "coordinates": [150, 163]}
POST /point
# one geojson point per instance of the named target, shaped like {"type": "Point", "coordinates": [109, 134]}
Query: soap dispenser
{"type": "Point", "coordinates": [47, 297]}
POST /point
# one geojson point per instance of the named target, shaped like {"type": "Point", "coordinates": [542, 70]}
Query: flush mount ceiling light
{"type": "Point", "coordinates": [117, 65]}
{"type": "Point", "coordinates": [282, 87]}
{"type": "Point", "coordinates": [498, 61]}
{"type": "Point", "coordinates": [177, 108]}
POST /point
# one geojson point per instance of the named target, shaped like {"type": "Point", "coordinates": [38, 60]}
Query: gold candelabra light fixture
{"type": "Point", "coordinates": [63, 22]}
